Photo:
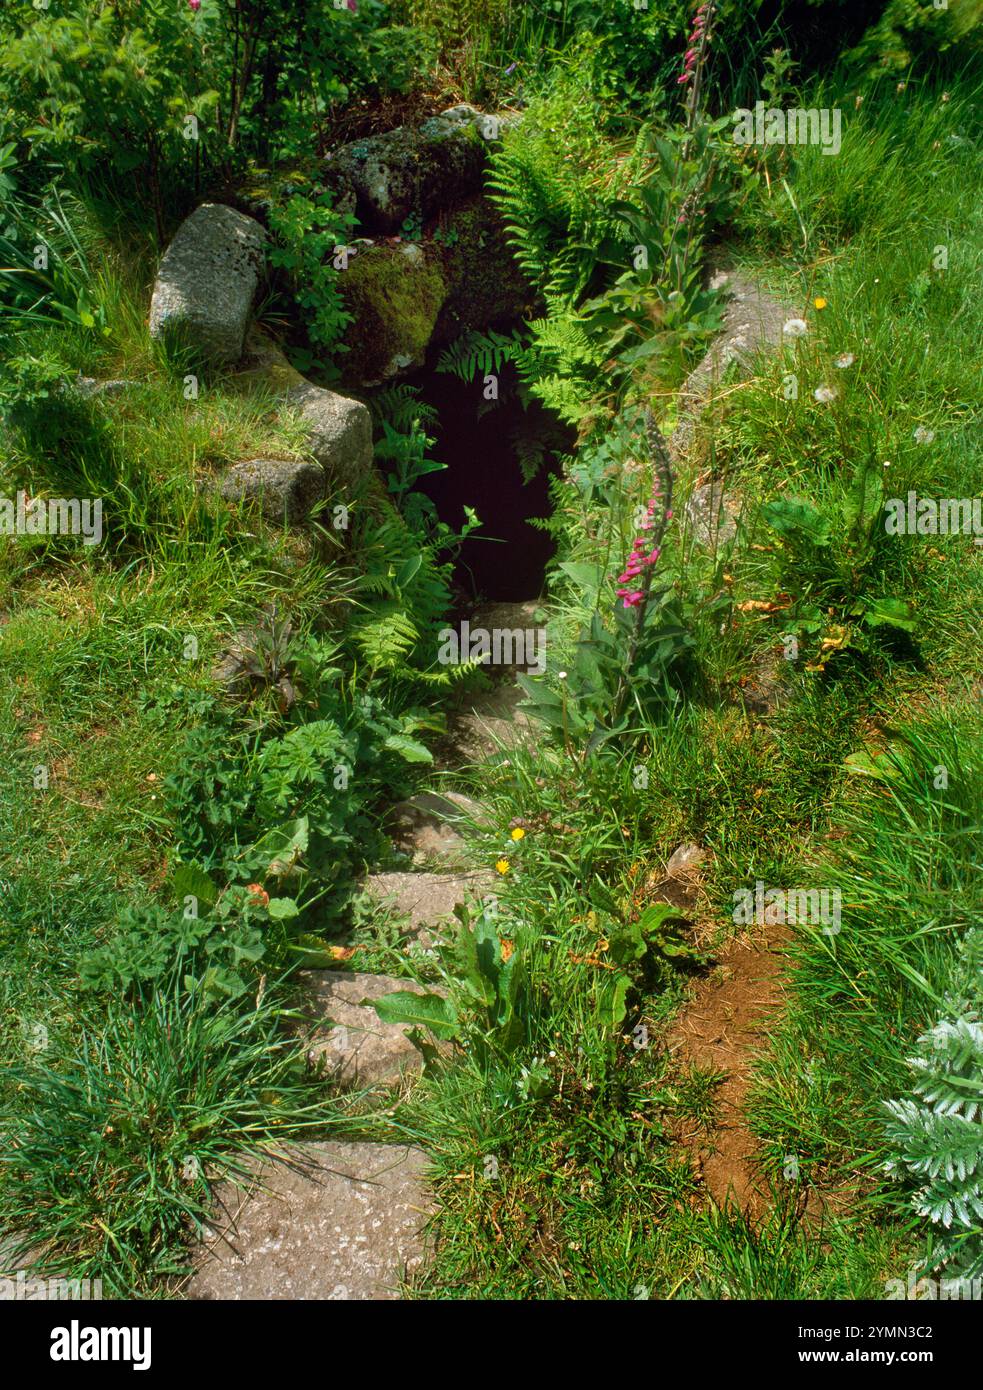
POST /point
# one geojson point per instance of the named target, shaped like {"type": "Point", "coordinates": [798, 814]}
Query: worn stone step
{"type": "Point", "coordinates": [753, 322]}
{"type": "Point", "coordinates": [340, 1222]}
{"type": "Point", "coordinates": [346, 1034]}
{"type": "Point", "coordinates": [428, 826]}
{"type": "Point", "coordinates": [428, 900]}
{"type": "Point", "coordinates": [492, 727]}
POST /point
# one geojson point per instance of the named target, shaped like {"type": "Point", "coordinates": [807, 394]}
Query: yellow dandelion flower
{"type": "Point", "coordinates": [502, 865]}
{"type": "Point", "coordinates": [518, 833]}
{"type": "Point", "coordinates": [820, 303]}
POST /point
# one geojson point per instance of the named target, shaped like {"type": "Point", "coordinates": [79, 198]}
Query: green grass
{"type": "Point", "coordinates": [119, 1136]}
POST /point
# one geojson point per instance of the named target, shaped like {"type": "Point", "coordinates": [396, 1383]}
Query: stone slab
{"type": "Point", "coordinates": [340, 1222]}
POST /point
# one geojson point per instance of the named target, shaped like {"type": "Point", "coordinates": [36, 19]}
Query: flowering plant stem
{"type": "Point", "coordinates": [661, 488]}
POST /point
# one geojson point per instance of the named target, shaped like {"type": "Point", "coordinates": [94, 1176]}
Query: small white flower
{"type": "Point", "coordinates": [924, 436]}
{"type": "Point", "coordinates": [561, 675]}
{"type": "Point", "coordinates": [845, 359]}
{"type": "Point", "coordinates": [795, 328]}
{"type": "Point", "coordinates": [825, 394]}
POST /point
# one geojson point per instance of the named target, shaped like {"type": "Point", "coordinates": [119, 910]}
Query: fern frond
{"type": "Point", "coordinates": [478, 353]}
{"type": "Point", "coordinates": [400, 408]}
{"type": "Point", "coordinates": [385, 636]}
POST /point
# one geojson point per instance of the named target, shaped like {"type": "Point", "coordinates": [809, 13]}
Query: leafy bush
{"type": "Point", "coordinates": [909, 30]}
{"type": "Point", "coordinates": [106, 85]}
{"type": "Point", "coordinates": [308, 231]}
{"type": "Point", "coordinates": [269, 828]}
{"type": "Point", "coordinates": [835, 561]}
{"type": "Point", "coordinates": [114, 88]}
{"type": "Point", "coordinates": [486, 1004]}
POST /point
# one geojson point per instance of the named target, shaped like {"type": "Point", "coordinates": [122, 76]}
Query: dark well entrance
{"type": "Point", "coordinates": [480, 442]}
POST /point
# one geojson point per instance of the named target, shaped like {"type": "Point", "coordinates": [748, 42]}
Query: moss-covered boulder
{"type": "Point", "coordinates": [395, 293]}
{"type": "Point", "coordinates": [408, 297]}
{"type": "Point", "coordinates": [485, 284]}
{"type": "Point", "coordinates": [412, 171]}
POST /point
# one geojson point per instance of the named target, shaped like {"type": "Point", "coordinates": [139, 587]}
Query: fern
{"type": "Point", "coordinates": [476, 354]}
{"type": "Point", "coordinates": [401, 409]}
{"type": "Point", "coordinates": [386, 636]}
{"type": "Point", "coordinates": [406, 598]}
{"type": "Point", "coordinates": [937, 1131]}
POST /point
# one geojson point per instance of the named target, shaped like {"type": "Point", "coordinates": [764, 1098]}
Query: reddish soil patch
{"type": "Point", "coordinates": [724, 1028]}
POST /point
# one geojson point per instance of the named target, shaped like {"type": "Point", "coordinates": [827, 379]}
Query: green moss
{"type": "Point", "coordinates": [486, 284]}
{"type": "Point", "coordinates": [395, 295]}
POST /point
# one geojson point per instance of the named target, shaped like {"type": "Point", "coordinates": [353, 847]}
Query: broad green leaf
{"type": "Point", "coordinates": [428, 1010]}
{"type": "Point", "coordinates": [189, 881]}
{"type": "Point", "coordinates": [285, 844]}
{"type": "Point", "coordinates": [538, 691]}
{"type": "Point", "coordinates": [408, 749]}
{"type": "Point", "coordinates": [888, 612]}
{"type": "Point", "coordinates": [653, 917]}
{"type": "Point", "coordinates": [611, 997]}
{"type": "Point", "coordinates": [282, 909]}
{"type": "Point", "coordinates": [586, 577]}
{"type": "Point", "coordinates": [792, 517]}
{"type": "Point", "coordinates": [877, 765]}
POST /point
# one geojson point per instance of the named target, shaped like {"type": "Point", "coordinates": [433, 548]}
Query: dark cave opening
{"type": "Point", "coordinates": [481, 442]}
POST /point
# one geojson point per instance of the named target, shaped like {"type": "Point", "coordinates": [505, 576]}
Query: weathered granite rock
{"type": "Point", "coordinates": [685, 861]}
{"type": "Point", "coordinates": [339, 428]}
{"type": "Point", "coordinates": [340, 1222]}
{"type": "Point", "coordinates": [339, 431]}
{"type": "Point", "coordinates": [428, 900]}
{"type": "Point", "coordinates": [92, 386]}
{"type": "Point", "coordinates": [285, 489]}
{"type": "Point", "coordinates": [712, 514]}
{"type": "Point", "coordinates": [207, 280]}
{"type": "Point", "coordinates": [753, 321]}
{"type": "Point", "coordinates": [426, 825]}
{"type": "Point", "coordinates": [352, 1041]}
{"type": "Point", "coordinates": [417, 170]}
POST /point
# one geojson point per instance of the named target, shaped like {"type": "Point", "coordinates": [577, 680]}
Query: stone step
{"type": "Point", "coordinates": [491, 728]}
{"type": "Point", "coordinates": [346, 1034]}
{"type": "Point", "coordinates": [339, 1222]}
{"type": "Point", "coordinates": [428, 900]}
{"type": "Point", "coordinates": [753, 322]}
{"type": "Point", "coordinates": [428, 826]}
